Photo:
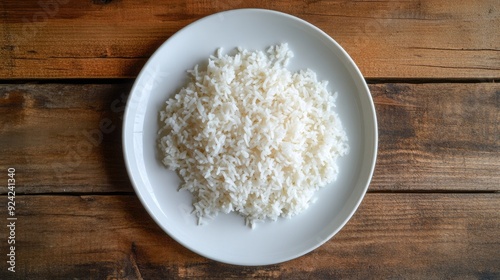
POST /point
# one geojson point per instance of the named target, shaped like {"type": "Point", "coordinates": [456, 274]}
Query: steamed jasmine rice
{"type": "Point", "coordinates": [248, 135]}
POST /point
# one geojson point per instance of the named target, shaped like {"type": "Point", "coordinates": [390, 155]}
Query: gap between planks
{"type": "Point", "coordinates": [386, 80]}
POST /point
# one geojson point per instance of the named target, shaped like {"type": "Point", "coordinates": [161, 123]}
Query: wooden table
{"type": "Point", "coordinates": [432, 210]}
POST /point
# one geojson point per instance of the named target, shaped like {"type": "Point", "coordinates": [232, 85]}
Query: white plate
{"type": "Point", "coordinates": [227, 239]}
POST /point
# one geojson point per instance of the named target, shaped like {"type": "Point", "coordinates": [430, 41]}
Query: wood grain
{"type": "Point", "coordinates": [53, 135]}
{"type": "Point", "coordinates": [432, 137]}
{"type": "Point", "coordinates": [438, 137]}
{"type": "Point", "coordinates": [387, 39]}
{"type": "Point", "coordinates": [408, 236]}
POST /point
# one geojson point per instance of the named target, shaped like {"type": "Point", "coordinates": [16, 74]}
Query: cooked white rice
{"type": "Point", "coordinates": [248, 135]}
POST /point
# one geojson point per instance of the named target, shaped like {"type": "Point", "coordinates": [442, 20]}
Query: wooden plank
{"type": "Point", "coordinates": [387, 39]}
{"type": "Point", "coordinates": [407, 236]}
{"type": "Point", "coordinates": [433, 137]}
{"type": "Point", "coordinates": [53, 136]}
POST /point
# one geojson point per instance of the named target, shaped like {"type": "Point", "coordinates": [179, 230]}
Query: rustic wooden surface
{"type": "Point", "coordinates": [433, 136]}
{"type": "Point", "coordinates": [402, 39]}
{"type": "Point", "coordinates": [420, 236]}
{"type": "Point", "coordinates": [433, 207]}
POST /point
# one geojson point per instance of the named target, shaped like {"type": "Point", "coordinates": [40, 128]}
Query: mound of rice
{"type": "Point", "coordinates": [248, 135]}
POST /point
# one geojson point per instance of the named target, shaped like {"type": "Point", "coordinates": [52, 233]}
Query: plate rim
{"type": "Point", "coordinates": [373, 125]}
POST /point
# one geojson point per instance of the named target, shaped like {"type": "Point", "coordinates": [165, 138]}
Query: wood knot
{"type": "Point", "coordinates": [102, 2]}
